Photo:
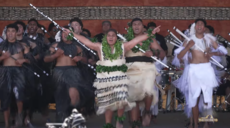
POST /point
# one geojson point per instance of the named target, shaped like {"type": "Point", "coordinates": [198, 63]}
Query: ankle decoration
{"type": "Point", "coordinates": [120, 119]}
{"type": "Point", "coordinates": [108, 125]}
{"type": "Point", "coordinates": [136, 124]}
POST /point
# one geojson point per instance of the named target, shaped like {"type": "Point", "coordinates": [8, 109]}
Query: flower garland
{"type": "Point", "coordinates": [108, 69]}
{"type": "Point", "coordinates": [145, 44]}
{"type": "Point", "coordinates": [107, 50]}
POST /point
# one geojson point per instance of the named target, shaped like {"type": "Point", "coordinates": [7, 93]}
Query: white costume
{"type": "Point", "coordinates": [198, 78]}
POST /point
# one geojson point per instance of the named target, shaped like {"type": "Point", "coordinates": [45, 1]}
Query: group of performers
{"type": "Point", "coordinates": [36, 71]}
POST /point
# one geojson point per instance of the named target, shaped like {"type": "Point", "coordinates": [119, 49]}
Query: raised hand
{"type": "Point", "coordinates": [67, 31]}
{"type": "Point", "coordinates": [156, 30]}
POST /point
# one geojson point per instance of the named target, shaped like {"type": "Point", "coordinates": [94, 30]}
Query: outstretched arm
{"type": "Point", "coordinates": [129, 45]}
{"type": "Point", "coordinates": [87, 42]}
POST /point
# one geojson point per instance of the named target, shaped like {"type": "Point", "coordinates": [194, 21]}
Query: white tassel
{"type": "Point", "coordinates": [58, 36]}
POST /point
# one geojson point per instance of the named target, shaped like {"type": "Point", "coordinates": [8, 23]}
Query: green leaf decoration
{"type": "Point", "coordinates": [145, 44]}
{"type": "Point", "coordinates": [107, 50]}
{"type": "Point", "coordinates": [108, 69]}
{"type": "Point", "coordinates": [70, 36]}
{"type": "Point", "coordinates": [120, 119]}
{"type": "Point", "coordinates": [94, 40]}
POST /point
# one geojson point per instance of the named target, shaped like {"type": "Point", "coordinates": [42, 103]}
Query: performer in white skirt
{"type": "Point", "coordinates": [142, 73]}
{"type": "Point", "coordinates": [201, 76]}
{"type": "Point", "coordinates": [112, 83]}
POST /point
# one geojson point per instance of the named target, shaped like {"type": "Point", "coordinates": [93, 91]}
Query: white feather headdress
{"type": "Point", "coordinates": [192, 30]}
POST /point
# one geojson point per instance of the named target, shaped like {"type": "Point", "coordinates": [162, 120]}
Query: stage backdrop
{"type": "Point", "coordinates": [167, 13]}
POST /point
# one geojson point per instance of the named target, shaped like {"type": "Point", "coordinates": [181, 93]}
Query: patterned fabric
{"type": "Point", "coordinates": [112, 87]}
{"type": "Point", "coordinates": [89, 13]}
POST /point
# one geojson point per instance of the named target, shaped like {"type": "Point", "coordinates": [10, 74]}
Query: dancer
{"type": "Point", "coordinates": [142, 73]}
{"type": "Point", "coordinates": [200, 84]}
{"type": "Point", "coordinates": [71, 91]}
{"type": "Point", "coordinates": [12, 74]}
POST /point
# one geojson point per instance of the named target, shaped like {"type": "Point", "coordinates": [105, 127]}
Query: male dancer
{"type": "Point", "coordinates": [71, 91]}
{"type": "Point", "coordinates": [142, 75]}
{"type": "Point", "coordinates": [12, 74]}
{"type": "Point", "coordinates": [200, 84]}
{"type": "Point", "coordinates": [39, 45]}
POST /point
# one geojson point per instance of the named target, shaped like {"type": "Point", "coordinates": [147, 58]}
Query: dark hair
{"type": "Point", "coordinates": [51, 26]}
{"type": "Point", "coordinates": [135, 19]}
{"type": "Point", "coordinates": [151, 24]}
{"type": "Point", "coordinates": [145, 27]}
{"type": "Point", "coordinates": [41, 26]}
{"type": "Point", "coordinates": [211, 29]}
{"type": "Point", "coordinates": [12, 26]}
{"type": "Point", "coordinates": [21, 23]}
{"type": "Point", "coordinates": [87, 31]}
{"type": "Point", "coordinates": [107, 22]}
{"type": "Point", "coordinates": [202, 20]}
{"type": "Point", "coordinates": [33, 19]}
{"type": "Point", "coordinates": [77, 20]}
{"type": "Point", "coordinates": [112, 30]}
{"type": "Point", "coordinates": [189, 26]}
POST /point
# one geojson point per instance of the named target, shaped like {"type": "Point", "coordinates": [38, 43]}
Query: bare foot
{"type": "Point", "coordinates": [146, 120]}
{"type": "Point", "coordinates": [18, 120]}
{"type": "Point", "coordinates": [119, 125]}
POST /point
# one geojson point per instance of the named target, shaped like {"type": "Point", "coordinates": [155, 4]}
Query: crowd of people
{"type": "Point", "coordinates": [36, 70]}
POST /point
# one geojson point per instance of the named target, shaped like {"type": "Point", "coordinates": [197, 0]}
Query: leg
{"type": "Point", "coordinates": [120, 121]}
{"type": "Point", "coordinates": [155, 113]}
{"type": "Point", "coordinates": [74, 96]}
{"type": "Point", "coordinates": [135, 114]}
{"type": "Point", "coordinates": [147, 114]}
{"type": "Point", "coordinates": [195, 113]}
{"type": "Point", "coordinates": [6, 117]}
{"type": "Point", "coordinates": [108, 119]}
{"type": "Point", "coordinates": [228, 94]}
{"type": "Point", "coordinates": [20, 107]}
{"type": "Point", "coordinates": [19, 116]}
{"type": "Point", "coordinates": [191, 122]}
